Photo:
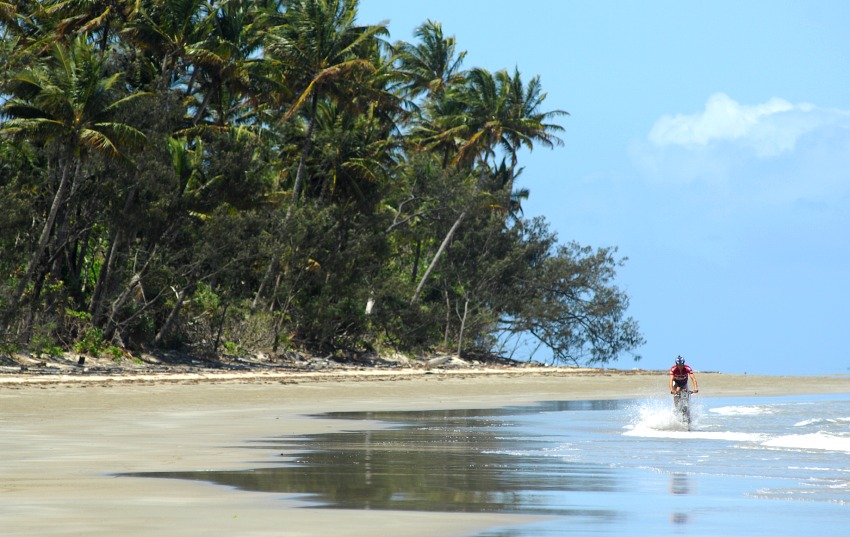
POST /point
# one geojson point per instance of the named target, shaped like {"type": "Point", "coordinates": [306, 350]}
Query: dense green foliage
{"type": "Point", "coordinates": [242, 176]}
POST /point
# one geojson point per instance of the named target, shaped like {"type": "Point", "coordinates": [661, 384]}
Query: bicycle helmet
{"type": "Point", "coordinates": [680, 360]}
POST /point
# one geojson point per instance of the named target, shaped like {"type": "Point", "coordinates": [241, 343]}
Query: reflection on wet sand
{"type": "Point", "coordinates": [458, 460]}
{"type": "Point", "coordinates": [680, 485]}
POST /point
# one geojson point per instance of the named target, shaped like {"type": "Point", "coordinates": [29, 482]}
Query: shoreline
{"type": "Point", "coordinates": [10, 377]}
{"type": "Point", "coordinates": [65, 439]}
{"type": "Point", "coordinates": [24, 370]}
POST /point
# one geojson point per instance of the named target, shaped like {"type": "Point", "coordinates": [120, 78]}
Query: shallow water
{"type": "Point", "coordinates": [774, 466]}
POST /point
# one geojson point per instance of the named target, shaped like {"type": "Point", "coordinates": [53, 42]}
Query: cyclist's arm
{"type": "Point", "coordinates": [694, 379]}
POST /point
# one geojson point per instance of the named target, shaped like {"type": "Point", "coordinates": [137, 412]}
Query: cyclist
{"type": "Point", "coordinates": [679, 374]}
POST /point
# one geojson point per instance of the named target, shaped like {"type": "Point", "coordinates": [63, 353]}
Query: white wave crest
{"type": "Point", "coordinates": [820, 441]}
{"type": "Point", "coordinates": [822, 421]}
{"type": "Point", "coordinates": [741, 410]}
{"type": "Point", "coordinates": [729, 436]}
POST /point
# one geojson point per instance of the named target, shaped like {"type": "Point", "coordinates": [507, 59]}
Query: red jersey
{"type": "Point", "coordinates": [681, 374]}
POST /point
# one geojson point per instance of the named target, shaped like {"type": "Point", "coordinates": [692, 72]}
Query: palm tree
{"type": "Point", "coordinates": [71, 101]}
{"type": "Point", "coordinates": [99, 19]}
{"type": "Point", "coordinates": [431, 69]}
{"type": "Point", "coordinates": [225, 63]}
{"type": "Point", "coordinates": [351, 150]}
{"type": "Point", "coordinates": [329, 60]}
{"type": "Point", "coordinates": [168, 31]}
{"type": "Point", "coordinates": [27, 32]}
{"type": "Point", "coordinates": [496, 111]}
{"type": "Point", "coordinates": [530, 125]}
{"type": "Point", "coordinates": [502, 113]}
{"type": "Point", "coordinates": [321, 48]}
{"type": "Point", "coordinates": [510, 205]}
{"type": "Point", "coordinates": [8, 40]}
{"type": "Point", "coordinates": [431, 66]}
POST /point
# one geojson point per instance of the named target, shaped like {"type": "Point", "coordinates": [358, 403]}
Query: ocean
{"type": "Point", "coordinates": [748, 466]}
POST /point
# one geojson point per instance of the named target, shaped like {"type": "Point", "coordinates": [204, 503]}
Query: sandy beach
{"type": "Point", "coordinates": [64, 438]}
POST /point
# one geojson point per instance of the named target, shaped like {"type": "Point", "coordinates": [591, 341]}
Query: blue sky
{"type": "Point", "coordinates": [709, 142]}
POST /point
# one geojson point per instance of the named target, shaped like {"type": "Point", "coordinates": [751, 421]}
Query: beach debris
{"type": "Point", "coordinates": [436, 362]}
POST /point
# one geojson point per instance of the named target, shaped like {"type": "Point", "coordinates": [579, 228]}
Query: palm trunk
{"type": "Point", "coordinates": [172, 317]}
{"type": "Point", "coordinates": [437, 256]}
{"type": "Point", "coordinates": [111, 323]}
{"type": "Point", "coordinates": [444, 244]}
{"type": "Point", "coordinates": [305, 154]}
{"type": "Point", "coordinates": [60, 252]}
{"type": "Point", "coordinates": [96, 302]}
{"type": "Point", "coordinates": [274, 292]}
{"type": "Point", "coordinates": [416, 255]}
{"type": "Point", "coordinates": [44, 239]}
{"type": "Point", "coordinates": [97, 298]}
{"type": "Point", "coordinates": [203, 108]}
{"type": "Point", "coordinates": [135, 282]}
{"type": "Point", "coordinates": [462, 326]}
{"type": "Point", "coordinates": [264, 282]}
{"type": "Point", "coordinates": [448, 319]}
{"type": "Point", "coordinates": [77, 262]}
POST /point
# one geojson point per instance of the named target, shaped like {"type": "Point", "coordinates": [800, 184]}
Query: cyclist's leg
{"type": "Point", "coordinates": [679, 385]}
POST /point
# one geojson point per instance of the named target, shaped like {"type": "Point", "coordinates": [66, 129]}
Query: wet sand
{"type": "Point", "coordinates": [63, 438]}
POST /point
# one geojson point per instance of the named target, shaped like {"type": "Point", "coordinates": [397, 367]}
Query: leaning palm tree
{"type": "Point", "coordinates": [320, 47]}
{"type": "Point", "coordinates": [495, 112]}
{"type": "Point", "coordinates": [72, 102]}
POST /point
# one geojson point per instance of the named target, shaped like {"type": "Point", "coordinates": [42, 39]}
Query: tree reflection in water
{"type": "Point", "coordinates": [456, 460]}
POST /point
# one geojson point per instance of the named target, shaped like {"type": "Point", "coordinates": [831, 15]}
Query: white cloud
{"type": "Point", "coordinates": [776, 152]}
{"type": "Point", "coordinates": [767, 130]}
{"type": "Point", "coordinates": [735, 178]}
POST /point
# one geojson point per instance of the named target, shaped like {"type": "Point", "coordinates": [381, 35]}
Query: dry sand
{"type": "Point", "coordinates": [62, 440]}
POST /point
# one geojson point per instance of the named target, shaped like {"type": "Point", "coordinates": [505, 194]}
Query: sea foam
{"type": "Point", "coordinates": [819, 441]}
{"type": "Point", "coordinates": [657, 419]}
{"type": "Point", "coordinates": [741, 410]}
{"type": "Point", "coordinates": [822, 421]}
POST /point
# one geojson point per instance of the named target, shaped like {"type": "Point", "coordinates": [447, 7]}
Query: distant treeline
{"type": "Point", "coordinates": [243, 176]}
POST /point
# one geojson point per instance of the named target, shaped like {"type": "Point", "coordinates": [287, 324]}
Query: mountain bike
{"type": "Point", "coordinates": [682, 404]}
